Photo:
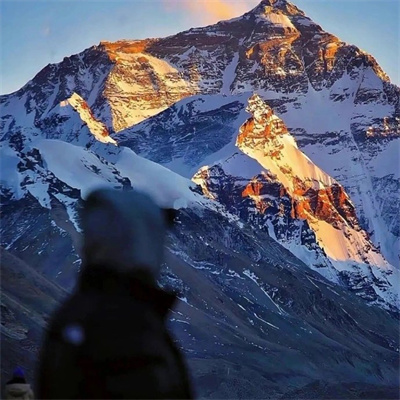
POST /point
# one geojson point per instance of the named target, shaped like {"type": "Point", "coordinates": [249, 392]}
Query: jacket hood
{"type": "Point", "coordinates": [124, 230]}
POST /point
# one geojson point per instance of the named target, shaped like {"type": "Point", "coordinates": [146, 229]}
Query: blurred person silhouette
{"type": "Point", "coordinates": [109, 339]}
{"type": "Point", "coordinates": [17, 387]}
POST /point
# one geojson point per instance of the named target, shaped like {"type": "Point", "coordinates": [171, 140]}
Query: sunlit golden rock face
{"type": "Point", "coordinates": [331, 205]}
{"type": "Point", "coordinates": [283, 191]}
{"type": "Point", "coordinates": [257, 188]}
{"type": "Point", "coordinates": [314, 194]}
{"type": "Point", "coordinates": [140, 85]}
{"type": "Point", "coordinates": [127, 47]}
{"type": "Point", "coordinates": [263, 128]}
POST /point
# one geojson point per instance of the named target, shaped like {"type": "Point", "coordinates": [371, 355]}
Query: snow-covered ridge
{"type": "Point", "coordinates": [97, 128]}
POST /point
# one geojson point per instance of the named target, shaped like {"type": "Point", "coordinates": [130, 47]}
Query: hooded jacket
{"type": "Point", "coordinates": [109, 340]}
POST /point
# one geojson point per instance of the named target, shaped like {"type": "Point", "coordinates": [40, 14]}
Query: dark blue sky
{"type": "Point", "coordinates": [37, 32]}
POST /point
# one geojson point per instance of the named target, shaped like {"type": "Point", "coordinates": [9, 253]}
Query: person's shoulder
{"type": "Point", "coordinates": [92, 312]}
{"type": "Point", "coordinates": [18, 390]}
{"type": "Point", "coordinates": [74, 309]}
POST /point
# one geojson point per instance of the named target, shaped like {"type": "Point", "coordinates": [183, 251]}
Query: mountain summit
{"type": "Point", "coordinates": [268, 6]}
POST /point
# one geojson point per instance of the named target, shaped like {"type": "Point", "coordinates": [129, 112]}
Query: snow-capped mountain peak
{"type": "Point", "coordinates": [285, 186]}
{"type": "Point", "coordinates": [266, 6]}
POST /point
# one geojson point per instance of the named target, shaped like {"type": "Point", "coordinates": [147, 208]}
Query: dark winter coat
{"type": "Point", "coordinates": [109, 340]}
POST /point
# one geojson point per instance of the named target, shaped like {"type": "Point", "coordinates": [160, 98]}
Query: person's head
{"type": "Point", "coordinates": [124, 231]}
{"type": "Point", "coordinates": [17, 377]}
{"type": "Point", "coordinates": [18, 373]}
